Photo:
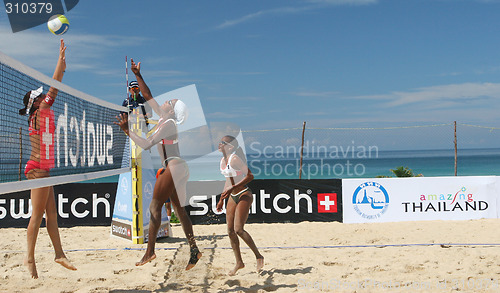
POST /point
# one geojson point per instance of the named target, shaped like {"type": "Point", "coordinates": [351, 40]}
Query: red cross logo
{"type": "Point", "coordinates": [327, 202]}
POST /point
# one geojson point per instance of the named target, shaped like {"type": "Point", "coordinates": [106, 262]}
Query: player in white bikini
{"type": "Point", "coordinates": [233, 166]}
{"type": "Point", "coordinates": [172, 179]}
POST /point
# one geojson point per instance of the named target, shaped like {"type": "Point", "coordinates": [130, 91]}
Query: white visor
{"type": "Point", "coordinates": [33, 95]}
{"type": "Point", "coordinates": [181, 112]}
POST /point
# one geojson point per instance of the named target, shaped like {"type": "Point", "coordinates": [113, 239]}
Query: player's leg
{"type": "Point", "coordinates": [39, 198]}
{"type": "Point", "coordinates": [53, 230]}
{"type": "Point", "coordinates": [240, 218]}
{"type": "Point", "coordinates": [233, 237]}
{"type": "Point", "coordinates": [162, 191]}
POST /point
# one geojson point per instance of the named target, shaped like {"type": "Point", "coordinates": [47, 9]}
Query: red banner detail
{"type": "Point", "coordinates": [47, 133]}
{"type": "Point", "coordinates": [327, 202]}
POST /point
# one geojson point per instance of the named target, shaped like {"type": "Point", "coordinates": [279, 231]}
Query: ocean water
{"type": "Point", "coordinates": [429, 163]}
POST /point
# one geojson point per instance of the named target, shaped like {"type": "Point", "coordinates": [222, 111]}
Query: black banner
{"type": "Point", "coordinates": [275, 201]}
{"type": "Point", "coordinates": [78, 204]}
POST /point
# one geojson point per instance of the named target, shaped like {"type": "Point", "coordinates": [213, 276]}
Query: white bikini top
{"type": "Point", "coordinates": [160, 124]}
{"type": "Point", "coordinates": [227, 170]}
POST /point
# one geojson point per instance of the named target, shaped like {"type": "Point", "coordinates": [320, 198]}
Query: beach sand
{"type": "Point", "coordinates": [303, 257]}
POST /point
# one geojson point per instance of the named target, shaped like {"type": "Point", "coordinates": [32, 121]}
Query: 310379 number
{"type": "Point", "coordinates": [28, 8]}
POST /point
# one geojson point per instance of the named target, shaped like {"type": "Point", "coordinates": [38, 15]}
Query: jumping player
{"type": "Point", "coordinates": [42, 199]}
{"type": "Point", "coordinates": [172, 180]}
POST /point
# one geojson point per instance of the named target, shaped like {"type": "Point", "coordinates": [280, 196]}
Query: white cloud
{"type": "Point", "coordinates": [262, 13]}
{"type": "Point", "coordinates": [39, 49]}
{"type": "Point", "coordinates": [327, 94]}
{"type": "Point", "coordinates": [344, 2]}
{"type": "Point", "coordinates": [313, 5]}
{"type": "Point", "coordinates": [441, 96]}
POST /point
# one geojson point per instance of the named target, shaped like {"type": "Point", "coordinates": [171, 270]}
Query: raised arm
{"type": "Point", "coordinates": [146, 92]}
{"type": "Point", "coordinates": [58, 73]}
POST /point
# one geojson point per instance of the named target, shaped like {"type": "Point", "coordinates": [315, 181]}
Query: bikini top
{"type": "Point", "coordinates": [169, 140]}
{"type": "Point", "coordinates": [229, 171]}
{"type": "Point", "coordinates": [31, 129]}
{"type": "Point", "coordinates": [32, 124]}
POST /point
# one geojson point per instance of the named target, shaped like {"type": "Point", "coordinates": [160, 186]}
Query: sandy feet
{"type": "Point", "coordinates": [145, 259]}
{"type": "Point", "coordinates": [260, 264]}
{"type": "Point", "coordinates": [30, 264]}
{"type": "Point", "coordinates": [236, 268]}
{"type": "Point", "coordinates": [65, 263]}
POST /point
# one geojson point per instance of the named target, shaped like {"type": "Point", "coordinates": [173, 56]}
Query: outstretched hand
{"type": "Point", "coordinates": [136, 68]}
{"type": "Point", "coordinates": [122, 122]}
{"type": "Point", "coordinates": [62, 55]}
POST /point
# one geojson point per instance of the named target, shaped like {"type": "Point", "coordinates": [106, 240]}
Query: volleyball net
{"type": "Point", "coordinates": [77, 136]}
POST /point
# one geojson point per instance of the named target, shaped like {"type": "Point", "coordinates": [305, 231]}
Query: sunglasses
{"type": "Point", "coordinates": [225, 143]}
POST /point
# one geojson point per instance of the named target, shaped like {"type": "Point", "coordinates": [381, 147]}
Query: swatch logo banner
{"type": "Point", "coordinates": [370, 200]}
{"type": "Point", "coordinates": [26, 14]}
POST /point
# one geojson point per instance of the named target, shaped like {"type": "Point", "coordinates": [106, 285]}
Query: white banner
{"type": "Point", "coordinates": [419, 198]}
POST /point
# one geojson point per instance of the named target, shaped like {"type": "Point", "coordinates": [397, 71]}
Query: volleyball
{"type": "Point", "coordinates": [58, 24]}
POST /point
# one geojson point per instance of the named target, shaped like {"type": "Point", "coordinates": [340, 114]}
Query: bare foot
{"type": "Point", "coordinates": [30, 264]}
{"type": "Point", "coordinates": [236, 268]}
{"type": "Point", "coordinates": [145, 259]}
{"type": "Point", "coordinates": [193, 259]}
{"type": "Point", "coordinates": [65, 263]}
{"type": "Point", "coordinates": [260, 264]}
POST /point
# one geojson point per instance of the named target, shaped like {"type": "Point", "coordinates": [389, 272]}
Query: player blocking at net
{"type": "Point", "coordinates": [172, 179]}
{"type": "Point", "coordinates": [37, 107]}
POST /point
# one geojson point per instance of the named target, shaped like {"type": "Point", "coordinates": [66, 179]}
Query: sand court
{"type": "Point", "coordinates": [427, 256]}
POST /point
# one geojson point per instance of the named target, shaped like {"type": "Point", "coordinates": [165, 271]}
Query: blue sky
{"type": "Point", "coordinates": [274, 64]}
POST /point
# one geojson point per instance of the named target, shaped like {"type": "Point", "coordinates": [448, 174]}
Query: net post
{"type": "Point", "coordinates": [137, 221]}
{"type": "Point", "coordinates": [20, 152]}
{"type": "Point", "coordinates": [456, 148]}
{"type": "Point", "coordinates": [302, 149]}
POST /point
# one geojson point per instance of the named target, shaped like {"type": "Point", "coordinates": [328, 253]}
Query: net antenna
{"type": "Point", "coordinates": [127, 93]}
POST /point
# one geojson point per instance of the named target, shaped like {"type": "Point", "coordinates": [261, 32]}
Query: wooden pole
{"type": "Point", "coordinates": [302, 149]}
{"type": "Point", "coordinates": [20, 152]}
{"type": "Point", "coordinates": [455, 141]}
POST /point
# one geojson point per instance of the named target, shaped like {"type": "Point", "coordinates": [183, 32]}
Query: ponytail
{"type": "Point", "coordinates": [239, 152]}
{"type": "Point", "coordinates": [22, 111]}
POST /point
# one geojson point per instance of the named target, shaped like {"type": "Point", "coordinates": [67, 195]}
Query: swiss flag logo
{"type": "Point", "coordinates": [327, 202]}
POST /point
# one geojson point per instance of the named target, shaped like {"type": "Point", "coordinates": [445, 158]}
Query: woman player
{"type": "Point", "coordinates": [238, 175]}
{"type": "Point", "coordinates": [42, 199]}
{"type": "Point", "coordinates": [172, 180]}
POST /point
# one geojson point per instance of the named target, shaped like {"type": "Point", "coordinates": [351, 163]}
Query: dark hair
{"type": "Point", "coordinates": [26, 100]}
{"type": "Point", "coordinates": [238, 150]}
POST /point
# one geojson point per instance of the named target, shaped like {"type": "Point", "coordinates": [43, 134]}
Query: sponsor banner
{"type": "Point", "coordinates": [125, 211]}
{"type": "Point", "coordinates": [419, 198]}
{"type": "Point", "coordinates": [78, 204]}
{"type": "Point", "coordinates": [164, 231]}
{"type": "Point", "coordinates": [274, 201]}
{"type": "Point", "coordinates": [121, 229]}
